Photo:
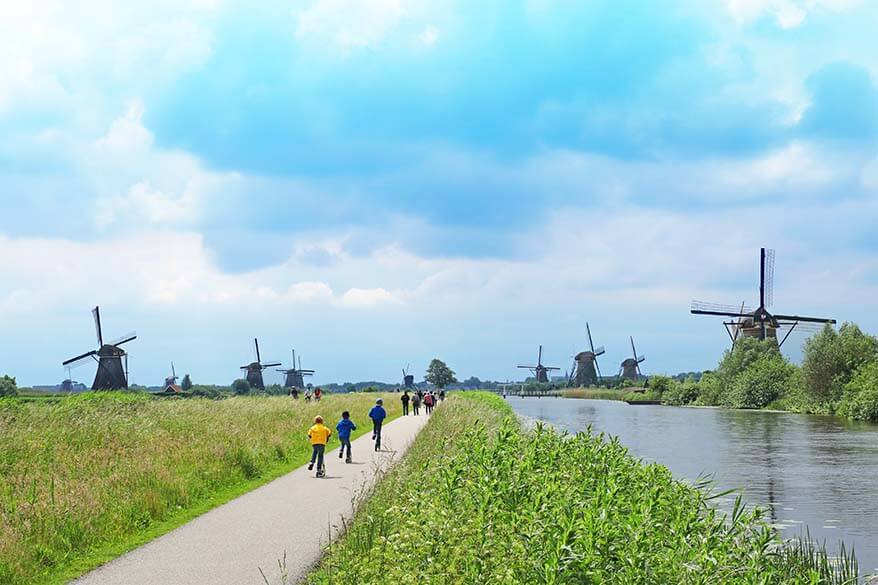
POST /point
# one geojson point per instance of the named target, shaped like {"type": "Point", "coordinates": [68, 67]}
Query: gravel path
{"type": "Point", "coordinates": [290, 516]}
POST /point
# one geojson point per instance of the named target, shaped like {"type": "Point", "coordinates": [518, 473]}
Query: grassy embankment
{"type": "Point", "coordinates": [86, 478]}
{"type": "Point", "coordinates": [478, 499]}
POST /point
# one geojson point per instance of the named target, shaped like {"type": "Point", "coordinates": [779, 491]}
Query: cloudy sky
{"type": "Point", "coordinates": [378, 182]}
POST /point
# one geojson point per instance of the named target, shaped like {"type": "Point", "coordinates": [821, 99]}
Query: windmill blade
{"type": "Point", "coordinates": [716, 313]}
{"type": "Point", "coordinates": [527, 367]}
{"type": "Point", "coordinates": [633, 349]}
{"type": "Point", "coordinates": [124, 339]}
{"type": "Point", "coordinates": [599, 351]}
{"type": "Point", "coordinates": [173, 371]}
{"type": "Point", "coordinates": [73, 361]}
{"type": "Point", "coordinates": [271, 365]}
{"type": "Point", "coordinates": [96, 313]}
{"type": "Point", "coordinates": [804, 319]}
{"type": "Point", "coordinates": [258, 358]}
{"type": "Point", "coordinates": [710, 308]}
{"type": "Point", "coordinates": [590, 343]}
{"type": "Point", "coordinates": [641, 359]}
{"type": "Point", "coordinates": [769, 277]}
{"type": "Point", "coordinates": [598, 368]}
{"type": "Point", "coordinates": [540, 357]}
{"type": "Point", "coordinates": [550, 368]}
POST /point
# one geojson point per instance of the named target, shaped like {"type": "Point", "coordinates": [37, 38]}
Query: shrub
{"type": "Point", "coordinates": [860, 400]}
{"type": "Point", "coordinates": [8, 387]}
{"type": "Point", "coordinates": [682, 393]}
{"type": "Point", "coordinates": [241, 386]}
{"type": "Point", "coordinates": [762, 382]}
{"type": "Point", "coordinates": [710, 390]}
{"type": "Point", "coordinates": [660, 384]}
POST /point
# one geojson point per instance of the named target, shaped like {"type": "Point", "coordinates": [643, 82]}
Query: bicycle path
{"type": "Point", "coordinates": [294, 515]}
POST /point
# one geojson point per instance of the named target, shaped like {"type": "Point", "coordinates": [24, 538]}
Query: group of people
{"type": "Point", "coordinates": [429, 399]}
{"type": "Point", "coordinates": [316, 394]}
{"type": "Point", "coordinates": [319, 435]}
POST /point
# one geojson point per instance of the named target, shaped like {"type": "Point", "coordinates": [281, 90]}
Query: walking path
{"type": "Point", "coordinates": [291, 515]}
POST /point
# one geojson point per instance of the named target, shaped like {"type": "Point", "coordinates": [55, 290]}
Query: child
{"type": "Point", "coordinates": [377, 414]}
{"type": "Point", "coordinates": [319, 435]}
{"type": "Point", "coordinates": [344, 428]}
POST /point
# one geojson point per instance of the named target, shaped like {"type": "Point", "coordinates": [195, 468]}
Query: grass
{"type": "Point", "coordinates": [91, 476]}
{"type": "Point", "coordinates": [477, 499]}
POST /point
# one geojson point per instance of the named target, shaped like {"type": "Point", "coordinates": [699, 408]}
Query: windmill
{"type": "Point", "coordinates": [629, 369]}
{"type": "Point", "coordinates": [586, 368]}
{"type": "Point", "coordinates": [759, 322]}
{"type": "Point", "coordinates": [172, 379]}
{"type": "Point", "coordinates": [408, 380]}
{"type": "Point", "coordinates": [112, 374]}
{"type": "Point", "coordinates": [254, 369]}
{"type": "Point", "coordinates": [540, 371]}
{"type": "Point", "coordinates": [295, 377]}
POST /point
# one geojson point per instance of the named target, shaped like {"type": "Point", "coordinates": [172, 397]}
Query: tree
{"type": "Point", "coordinates": [439, 374]}
{"type": "Point", "coordinates": [831, 359]}
{"type": "Point", "coordinates": [472, 382]}
{"type": "Point", "coordinates": [241, 386]}
{"type": "Point", "coordinates": [186, 384]}
{"type": "Point", "coordinates": [8, 387]}
{"type": "Point", "coordinates": [860, 399]}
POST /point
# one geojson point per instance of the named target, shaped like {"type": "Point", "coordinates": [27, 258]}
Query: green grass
{"type": "Point", "coordinates": [86, 478]}
{"type": "Point", "coordinates": [477, 499]}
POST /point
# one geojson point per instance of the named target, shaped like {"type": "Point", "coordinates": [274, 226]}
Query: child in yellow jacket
{"type": "Point", "coordinates": [319, 435]}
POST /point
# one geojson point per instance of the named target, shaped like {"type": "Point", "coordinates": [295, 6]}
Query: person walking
{"type": "Point", "coordinates": [317, 394]}
{"type": "Point", "coordinates": [416, 405]}
{"type": "Point", "coordinates": [344, 427]}
{"type": "Point", "coordinates": [377, 414]}
{"type": "Point", "coordinates": [428, 402]}
{"type": "Point", "coordinates": [319, 435]}
{"type": "Point", "coordinates": [442, 395]}
{"type": "Point", "coordinates": [405, 403]}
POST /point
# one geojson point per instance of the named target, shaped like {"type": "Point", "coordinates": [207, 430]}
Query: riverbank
{"type": "Point", "coordinates": [480, 499]}
{"type": "Point", "coordinates": [89, 477]}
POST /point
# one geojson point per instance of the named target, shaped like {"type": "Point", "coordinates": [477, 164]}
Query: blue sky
{"type": "Point", "coordinates": [384, 181]}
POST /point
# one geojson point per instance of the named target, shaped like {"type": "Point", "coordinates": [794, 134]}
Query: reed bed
{"type": "Point", "coordinates": [87, 477]}
{"type": "Point", "coordinates": [479, 500]}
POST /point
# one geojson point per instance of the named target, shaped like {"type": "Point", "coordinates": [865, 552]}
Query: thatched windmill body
{"type": "Point", "coordinates": [540, 372]}
{"type": "Point", "coordinates": [759, 322]}
{"type": "Point", "coordinates": [112, 360]}
{"type": "Point", "coordinates": [295, 376]}
{"type": "Point", "coordinates": [629, 369]}
{"type": "Point", "coordinates": [587, 372]}
{"type": "Point", "coordinates": [254, 369]}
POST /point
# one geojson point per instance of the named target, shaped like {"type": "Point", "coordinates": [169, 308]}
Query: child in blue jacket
{"type": "Point", "coordinates": [344, 428]}
{"type": "Point", "coordinates": [377, 414]}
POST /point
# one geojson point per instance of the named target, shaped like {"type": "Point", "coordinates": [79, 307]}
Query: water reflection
{"type": "Point", "coordinates": [806, 470]}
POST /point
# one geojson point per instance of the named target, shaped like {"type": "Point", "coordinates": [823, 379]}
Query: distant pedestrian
{"type": "Point", "coordinates": [428, 402]}
{"type": "Point", "coordinates": [294, 392]}
{"type": "Point", "coordinates": [405, 398]}
{"type": "Point", "coordinates": [307, 396]}
{"type": "Point", "coordinates": [319, 435]}
{"type": "Point", "coordinates": [416, 405]}
{"type": "Point", "coordinates": [317, 394]}
{"type": "Point", "coordinates": [344, 428]}
{"type": "Point", "coordinates": [377, 414]}
{"type": "Point", "coordinates": [442, 396]}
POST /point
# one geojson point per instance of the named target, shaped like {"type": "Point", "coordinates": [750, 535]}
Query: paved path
{"type": "Point", "coordinates": [291, 515]}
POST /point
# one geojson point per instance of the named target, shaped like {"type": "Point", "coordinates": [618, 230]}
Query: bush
{"type": "Point", "coordinates": [8, 387]}
{"type": "Point", "coordinates": [241, 386]}
{"type": "Point", "coordinates": [660, 384]}
{"type": "Point", "coordinates": [682, 393]}
{"type": "Point", "coordinates": [762, 382]}
{"type": "Point", "coordinates": [860, 399]}
{"type": "Point", "coordinates": [710, 390]}
{"type": "Point", "coordinates": [209, 391]}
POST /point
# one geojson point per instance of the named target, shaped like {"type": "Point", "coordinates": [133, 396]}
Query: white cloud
{"type": "Point", "coordinates": [786, 13]}
{"type": "Point", "coordinates": [350, 24]}
{"type": "Point", "coordinates": [360, 297]}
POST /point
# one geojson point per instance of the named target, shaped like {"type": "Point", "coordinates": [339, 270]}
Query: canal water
{"type": "Point", "coordinates": [814, 471]}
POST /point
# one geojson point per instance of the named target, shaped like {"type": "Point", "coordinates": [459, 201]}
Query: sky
{"type": "Point", "coordinates": [380, 182]}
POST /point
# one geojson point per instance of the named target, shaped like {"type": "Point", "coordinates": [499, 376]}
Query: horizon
{"type": "Point", "coordinates": [382, 183]}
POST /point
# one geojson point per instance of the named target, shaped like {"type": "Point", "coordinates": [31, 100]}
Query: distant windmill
{"type": "Point", "coordinates": [112, 374]}
{"type": "Point", "coordinates": [295, 377]}
{"type": "Point", "coordinates": [540, 371]}
{"type": "Point", "coordinates": [254, 369]}
{"type": "Point", "coordinates": [587, 371]}
{"type": "Point", "coordinates": [172, 379]}
{"type": "Point", "coordinates": [630, 368]}
{"type": "Point", "coordinates": [408, 380]}
{"type": "Point", "coordinates": [759, 323]}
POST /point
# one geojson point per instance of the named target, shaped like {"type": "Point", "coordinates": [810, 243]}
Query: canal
{"type": "Point", "coordinates": [814, 471]}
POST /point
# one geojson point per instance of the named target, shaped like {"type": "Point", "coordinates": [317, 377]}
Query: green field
{"type": "Point", "coordinates": [478, 499]}
{"type": "Point", "coordinates": [88, 477]}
